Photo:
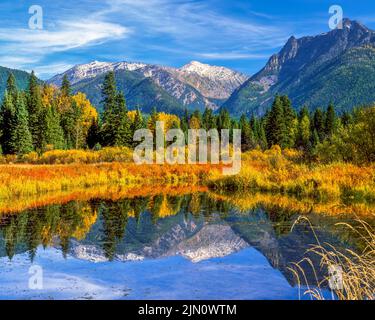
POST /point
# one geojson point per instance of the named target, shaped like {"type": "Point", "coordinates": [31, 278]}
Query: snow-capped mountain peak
{"type": "Point", "coordinates": [93, 69]}
{"type": "Point", "coordinates": [209, 71]}
{"type": "Point", "coordinates": [196, 84]}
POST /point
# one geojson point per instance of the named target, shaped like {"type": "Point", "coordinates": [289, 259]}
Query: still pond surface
{"type": "Point", "coordinates": [192, 246]}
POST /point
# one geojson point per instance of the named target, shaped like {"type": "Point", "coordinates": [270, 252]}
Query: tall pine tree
{"type": "Point", "coordinates": [318, 124]}
{"type": "Point", "coordinates": [275, 126]}
{"type": "Point", "coordinates": [110, 101]}
{"type": "Point", "coordinates": [7, 117]}
{"type": "Point", "coordinates": [330, 122]}
{"type": "Point", "coordinates": [122, 128]}
{"type": "Point", "coordinates": [54, 134]}
{"type": "Point", "coordinates": [35, 110]}
{"type": "Point", "coordinates": [21, 140]}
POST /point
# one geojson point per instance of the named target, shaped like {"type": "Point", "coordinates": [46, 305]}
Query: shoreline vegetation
{"type": "Point", "coordinates": [266, 176]}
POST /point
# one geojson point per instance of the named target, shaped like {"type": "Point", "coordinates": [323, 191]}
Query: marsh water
{"type": "Point", "coordinates": [161, 246]}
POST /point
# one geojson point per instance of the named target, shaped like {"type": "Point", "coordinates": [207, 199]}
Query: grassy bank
{"type": "Point", "coordinates": [283, 172]}
{"type": "Point", "coordinates": [272, 171]}
{"type": "Point", "coordinates": [22, 180]}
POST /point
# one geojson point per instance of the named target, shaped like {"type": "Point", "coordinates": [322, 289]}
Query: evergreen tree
{"type": "Point", "coordinates": [223, 120]}
{"type": "Point", "coordinates": [275, 125]}
{"type": "Point", "coordinates": [197, 114]}
{"type": "Point", "coordinates": [315, 138]}
{"type": "Point", "coordinates": [208, 119]}
{"type": "Point", "coordinates": [54, 134]}
{"type": "Point", "coordinates": [185, 124]}
{"type": "Point", "coordinates": [21, 140]}
{"type": "Point", "coordinates": [330, 120]}
{"type": "Point", "coordinates": [35, 109]}
{"type": "Point", "coordinates": [304, 130]}
{"type": "Point", "coordinates": [290, 123]}
{"type": "Point", "coordinates": [66, 87]}
{"type": "Point", "coordinates": [109, 93]}
{"type": "Point", "coordinates": [7, 123]}
{"type": "Point", "coordinates": [346, 118]}
{"type": "Point", "coordinates": [152, 120]}
{"type": "Point", "coordinates": [11, 87]}
{"type": "Point", "coordinates": [247, 135]}
{"type": "Point", "coordinates": [318, 124]}
{"type": "Point", "coordinates": [93, 135]}
{"type": "Point", "coordinates": [116, 129]}
{"type": "Point", "coordinates": [123, 135]}
{"type": "Point", "coordinates": [138, 124]}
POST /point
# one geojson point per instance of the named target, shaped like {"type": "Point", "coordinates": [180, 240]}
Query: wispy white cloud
{"type": "Point", "coordinates": [67, 35]}
{"type": "Point", "coordinates": [232, 55]}
{"type": "Point", "coordinates": [196, 20]}
{"type": "Point", "coordinates": [25, 47]}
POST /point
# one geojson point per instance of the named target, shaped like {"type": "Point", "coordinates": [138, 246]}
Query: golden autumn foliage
{"type": "Point", "coordinates": [132, 115]}
{"type": "Point", "coordinates": [29, 180]}
{"type": "Point", "coordinates": [49, 95]}
{"type": "Point", "coordinates": [274, 171]}
{"type": "Point", "coordinates": [88, 111]}
{"type": "Point", "coordinates": [170, 121]}
{"type": "Point", "coordinates": [104, 192]}
{"type": "Point", "coordinates": [194, 123]}
{"type": "Point", "coordinates": [280, 171]}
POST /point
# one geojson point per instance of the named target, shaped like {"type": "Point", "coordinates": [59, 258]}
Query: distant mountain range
{"type": "Point", "coordinates": [194, 86]}
{"type": "Point", "coordinates": [337, 66]}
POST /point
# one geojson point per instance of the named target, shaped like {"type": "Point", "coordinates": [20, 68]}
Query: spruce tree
{"type": "Point", "coordinates": [54, 134]}
{"type": "Point", "coordinates": [304, 129]}
{"type": "Point", "coordinates": [11, 87]}
{"type": "Point", "coordinates": [122, 128]}
{"type": "Point", "coordinates": [152, 120]}
{"type": "Point", "coordinates": [275, 125]}
{"type": "Point", "coordinates": [35, 109]}
{"type": "Point", "coordinates": [289, 123]}
{"type": "Point", "coordinates": [247, 135]}
{"type": "Point", "coordinates": [318, 124]}
{"type": "Point", "coordinates": [208, 119]}
{"type": "Point", "coordinates": [93, 135]}
{"type": "Point", "coordinates": [330, 120]}
{"type": "Point", "coordinates": [21, 140]}
{"type": "Point", "coordinates": [65, 86]}
{"type": "Point", "coordinates": [7, 123]}
{"type": "Point", "coordinates": [315, 138]}
{"type": "Point", "coordinates": [223, 120]}
{"type": "Point", "coordinates": [346, 118]}
{"type": "Point", "coordinates": [109, 93]}
{"type": "Point", "coordinates": [138, 124]}
{"type": "Point", "coordinates": [185, 124]}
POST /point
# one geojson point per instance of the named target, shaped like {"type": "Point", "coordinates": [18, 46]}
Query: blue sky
{"type": "Point", "coordinates": [238, 34]}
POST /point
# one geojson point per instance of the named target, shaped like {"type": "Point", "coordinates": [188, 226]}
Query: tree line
{"type": "Point", "coordinates": [43, 117]}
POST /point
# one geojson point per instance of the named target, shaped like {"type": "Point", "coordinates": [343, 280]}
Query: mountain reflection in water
{"type": "Point", "coordinates": [157, 232]}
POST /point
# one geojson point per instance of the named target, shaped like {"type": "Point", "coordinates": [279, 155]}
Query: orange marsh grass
{"type": "Point", "coordinates": [358, 268]}
{"type": "Point", "coordinates": [282, 172]}
{"type": "Point", "coordinates": [29, 180]}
